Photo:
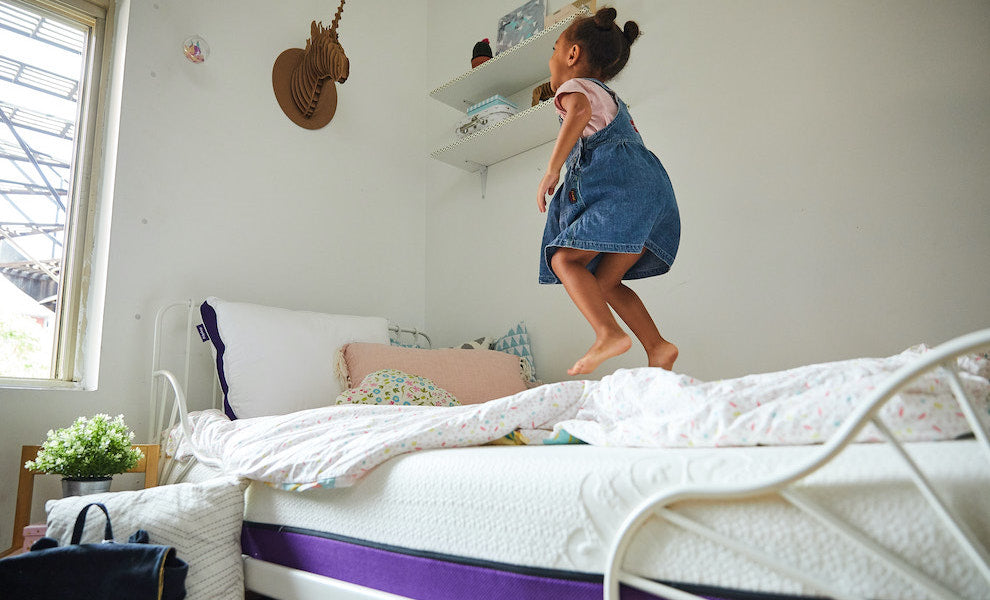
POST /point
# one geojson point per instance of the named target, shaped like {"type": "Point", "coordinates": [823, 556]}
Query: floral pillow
{"type": "Point", "coordinates": [391, 386]}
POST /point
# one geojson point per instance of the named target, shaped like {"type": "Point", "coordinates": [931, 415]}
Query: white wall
{"type": "Point", "coordinates": [831, 165]}
{"type": "Point", "coordinates": [217, 192]}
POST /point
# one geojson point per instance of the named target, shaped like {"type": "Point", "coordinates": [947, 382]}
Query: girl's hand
{"type": "Point", "coordinates": [547, 185]}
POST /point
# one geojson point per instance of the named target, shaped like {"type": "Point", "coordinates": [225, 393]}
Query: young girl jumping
{"type": "Point", "coordinates": [614, 217]}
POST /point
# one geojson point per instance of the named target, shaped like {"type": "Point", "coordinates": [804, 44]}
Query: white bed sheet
{"type": "Point", "coordinates": [557, 507]}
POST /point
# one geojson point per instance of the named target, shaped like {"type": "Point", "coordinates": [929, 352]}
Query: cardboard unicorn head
{"type": "Point", "coordinates": [305, 80]}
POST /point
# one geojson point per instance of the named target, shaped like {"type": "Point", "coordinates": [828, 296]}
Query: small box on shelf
{"type": "Point", "coordinates": [570, 10]}
{"type": "Point", "coordinates": [498, 100]}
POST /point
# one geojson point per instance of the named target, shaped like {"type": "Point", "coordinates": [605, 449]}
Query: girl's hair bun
{"type": "Point", "coordinates": [630, 31]}
{"type": "Point", "coordinates": [603, 43]}
{"type": "Point", "coordinates": [605, 18]}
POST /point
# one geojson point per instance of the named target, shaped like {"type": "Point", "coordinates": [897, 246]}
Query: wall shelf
{"type": "Point", "coordinates": [520, 132]}
{"type": "Point", "coordinates": [520, 67]}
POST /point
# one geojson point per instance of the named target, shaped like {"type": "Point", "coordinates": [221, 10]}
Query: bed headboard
{"type": "Point", "coordinates": [190, 363]}
{"type": "Point", "coordinates": [184, 352]}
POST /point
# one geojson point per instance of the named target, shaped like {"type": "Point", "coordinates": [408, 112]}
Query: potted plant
{"type": "Point", "coordinates": [87, 454]}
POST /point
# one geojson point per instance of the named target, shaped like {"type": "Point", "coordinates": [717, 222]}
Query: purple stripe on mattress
{"type": "Point", "coordinates": [416, 577]}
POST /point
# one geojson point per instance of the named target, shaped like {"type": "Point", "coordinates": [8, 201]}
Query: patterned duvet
{"type": "Point", "coordinates": [335, 446]}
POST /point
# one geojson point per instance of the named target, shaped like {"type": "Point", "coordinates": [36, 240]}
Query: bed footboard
{"type": "Point", "coordinates": [661, 505]}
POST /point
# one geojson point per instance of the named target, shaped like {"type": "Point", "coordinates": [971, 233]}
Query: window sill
{"type": "Point", "coordinates": [40, 384]}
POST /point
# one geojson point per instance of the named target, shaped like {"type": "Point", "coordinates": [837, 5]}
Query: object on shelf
{"type": "Point", "coordinates": [496, 100]}
{"type": "Point", "coordinates": [482, 51]}
{"type": "Point", "coordinates": [522, 131]}
{"type": "Point", "coordinates": [542, 92]}
{"type": "Point", "coordinates": [520, 24]}
{"type": "Point", "coordinates": [507, 73]}
{"type": "Point", "coordinates": [485, 117]}
{"type": "Point", "coordinates": [569, 10]}
{"type": "Point", "coordinates": [196, 49]}
{"type": "Point", "coordinates": [511, 74]}
{"type": "Point", "coordinates": [305, 80]}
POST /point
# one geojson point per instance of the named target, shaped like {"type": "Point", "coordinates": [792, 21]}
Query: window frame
{"type": "Point", "coordinates": [75, 317]}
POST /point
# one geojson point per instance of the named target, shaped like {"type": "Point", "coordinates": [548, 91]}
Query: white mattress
{"type": "Point", "coordinates": [557, 507]}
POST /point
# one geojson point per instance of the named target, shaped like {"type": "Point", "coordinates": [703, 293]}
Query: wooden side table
{"type": "Point", "coordinates": [25, 487]}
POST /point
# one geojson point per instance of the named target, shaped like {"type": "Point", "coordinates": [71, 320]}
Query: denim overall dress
{"type": "Point", "coordinates": [615, 197]}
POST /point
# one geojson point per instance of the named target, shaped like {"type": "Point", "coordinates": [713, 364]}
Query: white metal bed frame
{"type": "Point", "coordinates": [275, 580]}
{"type": "Point", "coordinates": [659, 505]}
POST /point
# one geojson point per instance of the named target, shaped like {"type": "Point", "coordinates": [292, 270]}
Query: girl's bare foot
{"type": "Point", "coordinates": [663, 356]}
{"type": "Point", "coordinates": [602, 350]}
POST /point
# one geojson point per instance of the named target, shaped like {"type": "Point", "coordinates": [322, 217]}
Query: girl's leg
{"type": "Point", "coordinates": [631, 309]}
{"type": "Point", "coordinates": [610, 340]}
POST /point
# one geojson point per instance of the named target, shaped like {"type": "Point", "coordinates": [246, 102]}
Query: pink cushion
{"type": "Point", "coordinates": [472, 376]}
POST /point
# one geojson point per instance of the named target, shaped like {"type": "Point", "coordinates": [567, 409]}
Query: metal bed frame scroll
{"type": "Point", "coordinates": [661, 504]}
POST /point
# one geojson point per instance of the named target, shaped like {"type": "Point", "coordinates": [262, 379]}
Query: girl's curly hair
{"type": "Point", "coordinates": [605, 45]}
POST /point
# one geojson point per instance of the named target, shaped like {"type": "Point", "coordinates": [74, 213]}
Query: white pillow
{"type": "Point", "coordinates": [202, 521]}
{"type": "Point", "coordinates": [273, 361]}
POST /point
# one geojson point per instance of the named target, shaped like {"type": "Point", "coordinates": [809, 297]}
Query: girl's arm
{"type": "Point", "coordinates": [577, 114]}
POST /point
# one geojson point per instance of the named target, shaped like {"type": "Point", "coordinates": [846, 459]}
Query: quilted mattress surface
{"type": "Point", "coordinates": [557, 507]}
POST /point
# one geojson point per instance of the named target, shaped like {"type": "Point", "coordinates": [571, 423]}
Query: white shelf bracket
{"type": "Point", "coordinates": [483, 171]}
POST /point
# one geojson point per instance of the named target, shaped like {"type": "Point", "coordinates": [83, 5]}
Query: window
{"type": "Point", "coordinates": [52, 79]}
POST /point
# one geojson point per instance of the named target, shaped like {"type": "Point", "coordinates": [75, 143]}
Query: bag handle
{"type": "Point", "coordinates": [77, 531]}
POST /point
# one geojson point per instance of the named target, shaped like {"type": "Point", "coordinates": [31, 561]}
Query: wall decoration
{"type": "Point", "coordinates": [196, 49]}
{"type": "Point", "coordinates": [520, 24]}
{"type": "Point", "coordinates": [305, 80]}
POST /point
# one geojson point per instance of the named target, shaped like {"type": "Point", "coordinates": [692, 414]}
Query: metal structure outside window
{"type": "Point", "coordinates": [49, 77]}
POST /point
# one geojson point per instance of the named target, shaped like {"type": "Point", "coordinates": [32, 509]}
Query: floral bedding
{"type": "Point", "coordinates": [335, 446]}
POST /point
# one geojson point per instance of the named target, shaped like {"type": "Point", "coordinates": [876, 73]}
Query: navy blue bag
{"type": "Point", "coordinates": [136, 570]}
